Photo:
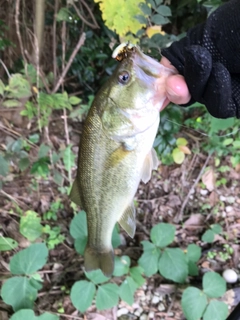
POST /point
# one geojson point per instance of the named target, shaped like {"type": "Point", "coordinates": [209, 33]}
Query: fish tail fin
{"type": "Point", "coordinates": [94, 259]}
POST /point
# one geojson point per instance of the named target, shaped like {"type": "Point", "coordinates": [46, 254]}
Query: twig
{"type": "Point", "coordinates": [94, 26]}
{"type": "Point", "coordinates": [63, 315]}
{"type": "Point", "coordinates": [5, 68]}
{"type": "Point", "coordinates": [75, 51]}
{"type": "Point", "coordinates": [9, 197]}
{"type": "Point", "coordinates": [55, 40]}
{"type": "Point", "coordinates": [18, 31]}
{"type": "Point", "coordinates": [90, 12]}
{"type": "Point", "coordinates": [179, 216]}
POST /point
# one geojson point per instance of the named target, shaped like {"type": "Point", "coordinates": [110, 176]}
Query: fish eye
{"type": "Point", "coordinates": [124, 77]}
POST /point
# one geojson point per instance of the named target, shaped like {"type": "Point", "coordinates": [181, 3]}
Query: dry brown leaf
{"type": "Point", "coordinates": [213, 199]}
{"type": "Point", "coordinates": [184, 149]}
{"type": "Point", "coordinates": [208, 178]}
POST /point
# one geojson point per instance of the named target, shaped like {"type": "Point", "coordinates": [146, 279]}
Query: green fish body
{"type": "Point", "coordinates": [115, 152]}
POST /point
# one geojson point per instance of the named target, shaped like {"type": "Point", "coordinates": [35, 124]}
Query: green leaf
{"type": "Point", "coordinates": [24, 314]}
{"type": "Point", "coordinates": [220, 124]}
{"type": "Point", "coordinates": [208, 236]}
{"type": "Point", "coordinates": [159, 19]}
{"type": "Point", "coordinates": [193, 252]}
{"type": "Point", "coordinates": [136, 274]}
{"type": "Point", "coordinates": [121, 266]}
{"type": "Point", "coordinates": [181, 142]}
{"type": "Point", "coordinates": [216, 310]}
{"type": "Point", "coordinates": [127, 290]}
{"type": "Point", "coordinates": [43, 151]}
{"type": "Point", "coordinates": [194, 303]}
{"type": "Point", "coordinates": [145, 9]}
{"type": "Point", "coordinates": [11, 103]}
{"type": "Point", "coordinates": [29, 260]}
{"type": "Point", "coordinates": [178, 156]}
{"type": "Point", "coordinates": [236, 144]}
{"type": "Point", "coordinates": [162, 234]}
{"type": "Point", "coordinates": [74, 100]}
{"type": "Point", "coordinates": [2, 88]}
{"type": "Point", "coordinates": [227, 141]}
{"type": "Point", "coordinates": [214, 285]}
{"type": "Point", "coordinates": [192, 268]}
{"type": "Point", "coordinates": [149, 259]}
{"type": "Point", "coordinates": [26, 293]}
{"type": "Point", "coordinates": [30, 225]}
{"type": "Point", "coordinates": [80, 244]}
{"type": "Point", "coordinates": [27, 314]}
{"type": "Point", "coordinates": [7, 244]}
{"type": "Point", "coordinates": [216, 228]}
{"type": "Point", "coordinates": [23, 164]}
{"type": "Point", "coordinates": [82, 294]}
{"type": "Point", "coordinates": [173, 265]}
{"type": "Point", "coordinates": [19, 87]}
{"type": "Point", "coordinates": [78, 225]}
{"type": "Point", "coordinates": [4, 168]}
{"type": "Point", "coordinates": [96, 276]}
{"type": "Point", "coordinates": [164, 10]}
{"type": "Point", "coordinates": [107, 296]}
{"type": "Point", "coordinates": [116, 241]}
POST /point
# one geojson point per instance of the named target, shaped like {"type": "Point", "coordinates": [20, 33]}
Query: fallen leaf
{"type": "Point", "coordinates": [185, 149]}
{"type": "Point", "coordinates": [208, 178]}
{"type": "Point", "coordinates": [213, 198]}
{"type": "Point", "coordinates": [194, 220]}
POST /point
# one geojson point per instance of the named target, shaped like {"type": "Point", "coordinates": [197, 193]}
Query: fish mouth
{"type": "Point", "coordinates": [148, 65]}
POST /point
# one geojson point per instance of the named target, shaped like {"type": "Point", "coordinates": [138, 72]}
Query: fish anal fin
{"type": "Point", "coordinates": [74, 194]}
{"type": "Point", "coordinates": [128, 220]}
{"type": "Point", "coordinates": [151, 163]}
{"type": "Point", "coordinates": [94, 260]}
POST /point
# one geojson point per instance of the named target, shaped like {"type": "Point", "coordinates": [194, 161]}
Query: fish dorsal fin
{"type": "Point", "coordinates": [75, 194]}
{"type": "Point", "coordinates": [151, 163]}
{"type": "Point", "coordinates": [128, 220]}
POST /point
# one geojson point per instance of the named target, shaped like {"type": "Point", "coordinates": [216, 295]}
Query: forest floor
{"type": "Point", "coordinates": [175, 194]}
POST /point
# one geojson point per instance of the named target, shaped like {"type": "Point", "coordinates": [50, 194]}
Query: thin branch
{"type": "Point", "coordinates": [56, 5]}
{"type": "Point", "coordinates": [83, 19]}
{"type": "Point", "coordinates": [75, 51]}
{"type": "Point", "coordinates": [180, 214]}
{"type": "Point", "coordinates": [90, 12]}
{"type": "Point", "coordinates": [5, 68]}
{"type": "Point", "coordinates": [18, 31]}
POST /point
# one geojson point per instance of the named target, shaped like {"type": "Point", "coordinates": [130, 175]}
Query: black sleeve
{"type": "Point", "coordinates": [209, 59]}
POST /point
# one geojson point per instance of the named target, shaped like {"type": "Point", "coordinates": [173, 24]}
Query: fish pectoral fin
{"type": "Point", "coordinates": [151, 163]}
{"type": "Point", "coordinates": [74, 194]}
{"type": "Point", "coordinates": [128, 220]}
{"type": "Point", "coordinates": [94, 260]}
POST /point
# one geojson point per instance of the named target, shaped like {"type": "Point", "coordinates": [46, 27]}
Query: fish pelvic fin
{"type": "Point", "coordinates": [151, 163]}
{"type": "Point", "coordinates": [75, 194]}
{"type": "Point", "coordinates": [128, 220]}
{"type": "Point", "coordinates": [94, 260]}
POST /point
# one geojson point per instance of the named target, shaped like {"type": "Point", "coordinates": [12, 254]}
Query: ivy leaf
{"type": "Point", "coordinates": [82, 294]}
{"type": "Point", "coordinates": [7, 244]}
{"type": "Point", "coordinates": [214, 285]}
{"type": "Point", "coordinates": [194, 303]}
{"type": "Point", "coordinates": [136, 274]}
{"type": "Point", "coordinates": [193, 252]}
{"type": "Point", "coordinates": [173, 265]}
{"type": "Point", "coordinates": [107, 296]}
{"type": "Point", "coordinates": [159, 19]}
{"type": "Point", "coordinates": [96, 276]}
{"type": "Point", "coordinates": [29, 315]}
{"type": "Point", "coordinates": [164, 11]}
{"type": "Point", "coordinates": [127, 290]}
{"type": "Point", "coordinates": [78, 225]}
{"type": "Point", "coordinates": [149, 259]}
{"type": "Point", "coordinates": [30, 225]}
{"type": "Point", "coordinates": [162, 234]}
{"type": "Point", "coordinates": [26, 293]}
{"type": "Point", "coordinates": [29, 260]}
{"type": "Point", "coordinates": [121, 266]}
{"type": "Point", "coordinates": [208, 236]}
{"type": "Point", "coordinates": [216, 310]}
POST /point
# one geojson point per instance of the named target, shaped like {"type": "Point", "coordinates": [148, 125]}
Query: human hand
{"type": "Point", "coordinates": [176, 87]}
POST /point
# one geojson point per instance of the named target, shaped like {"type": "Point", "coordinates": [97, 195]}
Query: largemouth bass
{"type": "Point", "coordinates": [115, 151]}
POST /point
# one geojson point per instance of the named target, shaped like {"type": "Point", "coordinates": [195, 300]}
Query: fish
{"type": "Point", "coordinates": [116, 150]}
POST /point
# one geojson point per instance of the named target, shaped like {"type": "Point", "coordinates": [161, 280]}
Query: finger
{"type": "Point", "coordinates": [177, 90]}
{"type": "Point", "coordinates": [166, 63]}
